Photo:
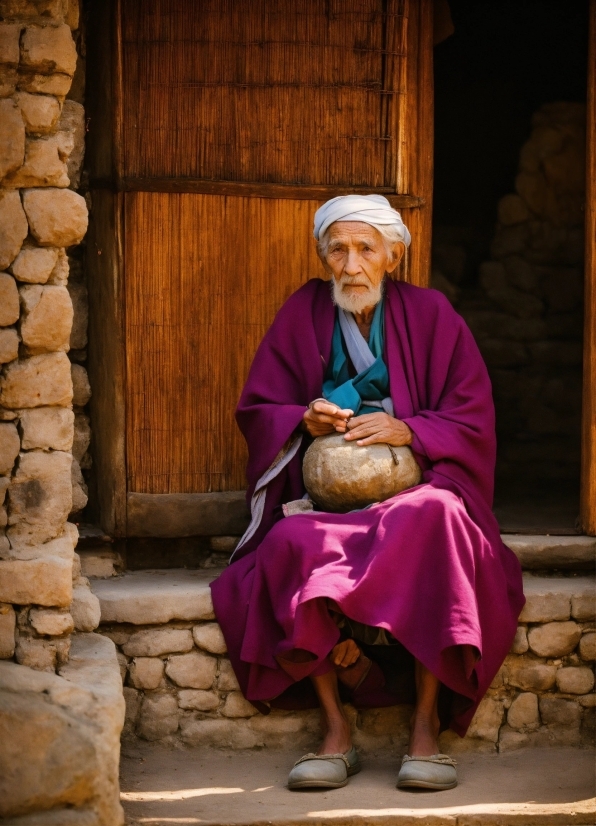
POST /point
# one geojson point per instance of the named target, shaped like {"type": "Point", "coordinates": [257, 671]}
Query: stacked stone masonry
{"type": "Point", "coordinates": [526, 312]}
{"type": "Point", "coordinates": [60, 731]}
{"type": "Point", "coordinates": [179, 685]}
{"type": "Point", "coordinates": [44, 431]}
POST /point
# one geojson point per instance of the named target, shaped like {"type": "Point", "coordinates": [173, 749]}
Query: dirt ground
{"type": "Point", "coordinates": [546, 787]}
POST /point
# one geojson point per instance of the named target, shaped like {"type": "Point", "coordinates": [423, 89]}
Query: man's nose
{"type": "Point", "coordinates": [352, 266]}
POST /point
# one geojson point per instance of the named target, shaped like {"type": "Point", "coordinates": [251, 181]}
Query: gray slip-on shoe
{"type": "Point", "coordinates": [324, 771]}
{"type": "Point", "coordinates": [435, 772]}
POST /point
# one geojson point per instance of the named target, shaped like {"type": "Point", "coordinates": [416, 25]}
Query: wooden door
{"type": "Point", "coordinates": [234, 122]}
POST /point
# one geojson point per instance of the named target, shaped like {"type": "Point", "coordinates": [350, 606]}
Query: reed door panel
{"type": "Point", "coordinates": [236, 121]}
{"type": "Point", "coordinates": [205, 276]}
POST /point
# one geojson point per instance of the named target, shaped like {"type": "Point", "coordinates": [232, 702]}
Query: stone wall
{"type": "Point", "coordinates": [524, 305]}
{"type": "Point", "coordinates": [44, 432]}
{"type": "Point", "coordinates": [180, 686]}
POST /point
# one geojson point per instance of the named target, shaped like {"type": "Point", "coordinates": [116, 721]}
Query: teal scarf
{"type": "Point", "coordinates": [370, 385]}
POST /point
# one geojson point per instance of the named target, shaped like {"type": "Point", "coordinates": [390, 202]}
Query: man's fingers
{"type": "Point", "coordinates": [330, 409]}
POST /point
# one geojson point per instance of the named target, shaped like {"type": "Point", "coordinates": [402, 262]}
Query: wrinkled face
{"type": "Point", "coordinates": [357, 258]}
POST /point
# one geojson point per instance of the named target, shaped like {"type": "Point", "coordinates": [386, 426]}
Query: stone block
{"type": "Point", "coordinates": [61, 271]}
{"type": "Point", "coordinates": [196, 699]}
{"type": "Point", "coordinates": [530, 676]}
{"type": "Point", "coordinates": [44, 165]}
{"type": "Point", "coordinates": [51, 623]}
{"type": "Point", "coordinates": [9, 345]}
{"type": "Point", "coordinates": [521, 273]}
{"type": "Point", "coordinates": [192, 670]}
{"type": "Point", "coordinates": [523, 712]}
{"type": "Point", "coordinates": [563, 353]}
{"type": "Point", "coordinates": [575, 680]}
{"type": "Point", "coordinates": [156, 597]}
{"type": "Point", "coordinates": [57, 84]}
{"type": "Point", "coordinates": [34, 265]}
{"type": "Point", "coordinates": [7, 631]}
{"type": "Point", "coordinates": [512, 210]}
{"type": "Point", "coordinates": [210, 638]}
{"type": "Point", "coordinates": [9, 43]}
{"type": "Point", "coordinates": [47, 428]}
{"type": "Point", "coordinates": [47, 318]}
{"type": "Point", "coordinates": [80, 303]}
{"type": "Point", "coordinates": [49, 49]}
{"type": "Point", "coordinates": [40, 497]}
{"type": "Point", "coordinates": [12, 137]}
{"type": "Point", "coordinates": [487, 720]}
{"type": "Point", "coordinates": [44, 581]}
{"type": "Point", "coordinates": [80, 492]}
{"type": "Point", "coordinates": [520, 642]}
{"type": "Point", "coordinates": [82, 436]}
{"type": "Point", "coordinates": [48, 756]}
{"type": "Point", "coordinates": [9, 446]}
{"type": "Point", "coordinates": [40, 112]}
{"type": "Point", "coordinates": [37, 381]}
{"type": "Point", "coordinates": [72, 123]}
{"type": "Point", "coordinates": [41, 654]}
{"type": "Point", "coordinates": [554, 639]}
{"type": "Point", "coordinates": [81, 389]}
{"type": "Point", "coordinates": [235, 734]}
{"type": "Point", "coordinates": [226, 680]}
{"type": "Point", "coordinates": [587, 646]}
{"type": "Point", "coordinates": [155, 642]}
{"type": "Point", "coordinates": [583, 604]}
{"type": "Point", "coordinates": [9, 77]}
{"type": "Point", "coordinates": [133, 699]}
{"type": "Point", "coordinates": [13, 227]}
{"type": "Point", "coordinates": [237, 706]}
{"type": "Point", "coordinates": [556, 711]}
{"type": "Point", "coordinates": [493, 278]}
{"type": "Point", "coordinates": [85, 608]}
{"type": "Point", "coordinates": [146, 672]}
{"type": "Point", "coordinates": [62, 548]}
{"type": "Point", "coordinates": [57, 217]}
{"type": "Point", "coordinates": [158, 716]}
{"type": "Point", "coordinates": [544, 602]}
{"type": "Point", "coordinates": [9, 300]}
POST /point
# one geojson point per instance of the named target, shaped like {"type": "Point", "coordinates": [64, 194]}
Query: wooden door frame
{"type": "Point", "coordinates": [106, 273]}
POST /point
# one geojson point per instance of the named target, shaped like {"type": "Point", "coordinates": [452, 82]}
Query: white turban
{"type": "Point", "coordinates": [370, 209]}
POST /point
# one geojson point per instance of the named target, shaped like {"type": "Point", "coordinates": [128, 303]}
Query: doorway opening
{"type": "Point", "coordinates": [508, 235]}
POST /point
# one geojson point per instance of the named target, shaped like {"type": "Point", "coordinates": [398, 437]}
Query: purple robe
{"type": "Point", "coordinates": [428, 565]}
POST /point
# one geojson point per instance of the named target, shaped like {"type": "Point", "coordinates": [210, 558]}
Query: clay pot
{"type": "Point", "coordinates": [341, 476]}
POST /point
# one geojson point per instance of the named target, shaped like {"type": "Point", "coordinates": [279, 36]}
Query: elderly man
{"type": "Point", "coordinates": [416, 587]}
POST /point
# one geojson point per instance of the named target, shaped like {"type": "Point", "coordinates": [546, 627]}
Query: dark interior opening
{"type": "Point", "coordinates": [508, 237]}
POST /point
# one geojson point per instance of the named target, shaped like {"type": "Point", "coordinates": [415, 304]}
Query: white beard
{"type": "Point", "coordinates": [356, 302]}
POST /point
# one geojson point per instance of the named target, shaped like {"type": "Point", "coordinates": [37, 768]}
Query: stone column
{"type": "Point", "coordinates": [41, 219]}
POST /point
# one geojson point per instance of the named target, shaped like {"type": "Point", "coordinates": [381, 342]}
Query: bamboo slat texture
{"type": "Point", "coordinates": [309, 94]}
{"type": "Point", "coordinates": [201, 290]}
{"type": "Point", "coordinates": [269, 91]}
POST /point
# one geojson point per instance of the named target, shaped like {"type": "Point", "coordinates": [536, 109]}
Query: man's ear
{"type": "Point", "coordinates": [398, 253]}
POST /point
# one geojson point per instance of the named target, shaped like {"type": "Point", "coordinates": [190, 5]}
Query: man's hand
{"type": "Point", "coordinates": [345, 653]}
{"type": "Point", "coordinates": [371, 428]}
{"type": "Point", "coordinates": [324, 417]}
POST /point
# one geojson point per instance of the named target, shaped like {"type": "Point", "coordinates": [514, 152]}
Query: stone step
{"type": "Point", "coordinates": [180, 687]}
{"type": "Point", "coordinates": [538, 787]}
{"type": "Point", "coordinates": [565, 553]}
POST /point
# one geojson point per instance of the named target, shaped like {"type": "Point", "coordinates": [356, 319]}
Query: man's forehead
{"type": "Point", "coordinates": [353, 231]}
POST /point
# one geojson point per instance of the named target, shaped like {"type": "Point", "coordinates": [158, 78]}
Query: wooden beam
{"type": "Point", "coordinates": [104, 269]}
{"type": "Point", "coordinates": [588, 473]}
{"type": "Point", "coordinates": [251, 189]}
{"type": "Point", "coordinates": [169, 515]}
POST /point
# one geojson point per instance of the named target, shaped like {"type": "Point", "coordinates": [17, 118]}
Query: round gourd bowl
{"type": "Point", "coordinates": [341, 476]}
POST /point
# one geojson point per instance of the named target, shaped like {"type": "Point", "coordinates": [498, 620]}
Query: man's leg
{"type": "Point", "coordinates": [424, 726]}
{"type": "Point", "coordinates": [334, 725]}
